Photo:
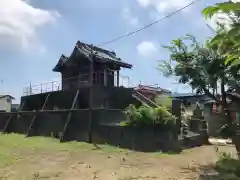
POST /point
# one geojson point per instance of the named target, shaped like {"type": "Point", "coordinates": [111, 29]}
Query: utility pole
{"type": "Point", "coordinates": [1, 85]}
{"type": "Point", "coordinates": [90, 96]}
{"type": "Point", "coordinates": [176, 89]}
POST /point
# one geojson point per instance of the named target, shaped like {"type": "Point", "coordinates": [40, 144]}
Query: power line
{"type": "Point", "coordinates": [210, 28]}
{"type": "Point", "coordinates": [148, 25]}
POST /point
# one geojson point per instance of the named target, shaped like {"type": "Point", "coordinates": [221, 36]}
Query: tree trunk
{"type": "Point", "coordinates": [231, 125]}
{"type": "Point", "coordinates": [236, 142]}
{"type": "Point", "coordinates": [224, 98]}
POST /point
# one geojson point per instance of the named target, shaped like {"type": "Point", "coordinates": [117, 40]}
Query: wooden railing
{"type": "Point", "coordinates": [77, 81]}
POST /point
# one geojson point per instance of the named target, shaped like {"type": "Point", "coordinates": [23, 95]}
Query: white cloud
{"type": "Point", "coordinates": [223, 19]}
{"type": "Point", "coordinates": [19, 23]}
{"type": "Point", "coordinates": [144, 3]}
{"type": "Point", "coordinates": [27, 1]}
{"type": "Point", "coordinates": [147, 48]}
{"type": "Point", "coordinates": [127, 15]}
{"type": "Point", "coordinates": [220, 18]}
{"type": "Point", "coordinates": [163, 6]}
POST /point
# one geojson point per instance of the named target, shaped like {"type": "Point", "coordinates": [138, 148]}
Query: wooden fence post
{"type": "Point", "coordinates": [69, 117]}
{"type": "Point", "coordinates": [34, 117]}
{"type": "Point", "coordinates": [10, 118]}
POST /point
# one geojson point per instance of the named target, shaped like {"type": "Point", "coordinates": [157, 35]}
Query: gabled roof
{"type": "Point", "coordinates": [60, 63]}
{"type": "Point", "coordinates": [101, 55]}
{"type": "Point", "coordinates": [2, 96]}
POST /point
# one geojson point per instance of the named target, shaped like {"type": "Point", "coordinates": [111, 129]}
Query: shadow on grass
{"type": "Point", "coordinates": [207, 172]}
{"type": "Point", "coordinates": [224, 169]}
{"type": "Point", "coordinates": [165, 154]}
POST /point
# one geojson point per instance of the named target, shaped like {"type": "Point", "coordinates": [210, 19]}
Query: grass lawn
{"type": "Point", "coordinates": [17, 152]}
{"type": "Point", "coordinates": [46, 158]}
{"type": "Point", "coordinates": [13, 147]}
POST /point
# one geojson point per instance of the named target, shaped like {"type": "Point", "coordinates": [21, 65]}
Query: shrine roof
{"type": "Point", "coordinates": [101, 55]}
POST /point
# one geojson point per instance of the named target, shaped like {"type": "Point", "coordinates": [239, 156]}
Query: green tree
{"type": "Point", "coordinates": [201, 67]}
{"type": "Point", "coordinates": [148, 116]}
{"type": "Point", "coordinates": [164, 101]}
{"type": "Point", "coordinates": [227, 38]}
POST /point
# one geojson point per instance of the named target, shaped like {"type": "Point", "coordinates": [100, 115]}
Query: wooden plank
{"type": "Point", "coordinates": [10, 118]}
{"type": "Point", "coordinates": [145, 99]}
{"type": "Point", "coordinates": [7, 124]}
{"type": "Point", "coordinates": [34, 117]}
{"type": "Point", "coordinates": [69, 116]}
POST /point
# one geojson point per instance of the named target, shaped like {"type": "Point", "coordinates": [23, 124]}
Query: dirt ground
{"type": "Point", "coordinates": [87, 164]}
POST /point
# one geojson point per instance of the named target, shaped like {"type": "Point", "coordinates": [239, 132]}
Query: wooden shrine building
{"type": "Point", "coordinates": [89, 65]}
{"type": "Point", "coordinates": [91, 74]}
{"type": "Point", "coordinates": [87, 103]}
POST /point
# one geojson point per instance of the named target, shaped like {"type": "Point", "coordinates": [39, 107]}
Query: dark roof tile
{"type": "Point", "coordinates": [100, 54]}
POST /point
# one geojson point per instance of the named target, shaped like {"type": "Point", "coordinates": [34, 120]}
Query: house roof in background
{"type": "Point", "coordinates": [153, 88]}
{"type": "Point", "coordinates": [2, 96]}
{"type": "Point", "coordinates": [182, 95]}
{"type": "Point", "coordinates": [102, 55]}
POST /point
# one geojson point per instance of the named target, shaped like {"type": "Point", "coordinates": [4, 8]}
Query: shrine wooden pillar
{"type": "Point", "coordinates": [117, 78]}
{"type": "Point", "coordinates": [105, 77]}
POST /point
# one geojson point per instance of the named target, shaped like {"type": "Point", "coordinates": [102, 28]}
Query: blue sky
{"type": "Point", "coordinates": [34, 34]}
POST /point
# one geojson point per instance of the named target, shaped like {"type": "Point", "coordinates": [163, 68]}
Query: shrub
{"type": "Point", "coordinates": [164, 101]}
{"type": "Point", "coordinates": [164, 116]}
{"type": "Point", "coordinates": [228, 166]}
{"type": "Point", "coordinates": [148, 116]}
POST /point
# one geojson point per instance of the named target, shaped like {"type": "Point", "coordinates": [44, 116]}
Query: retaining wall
{"type": "Point", "coordinates": [104, 127]}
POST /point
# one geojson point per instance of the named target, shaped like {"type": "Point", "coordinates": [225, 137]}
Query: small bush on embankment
{"type": "Point", "coordinates": [228, 167]}
{"type": "Point", "coordinates": [148, 116]}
